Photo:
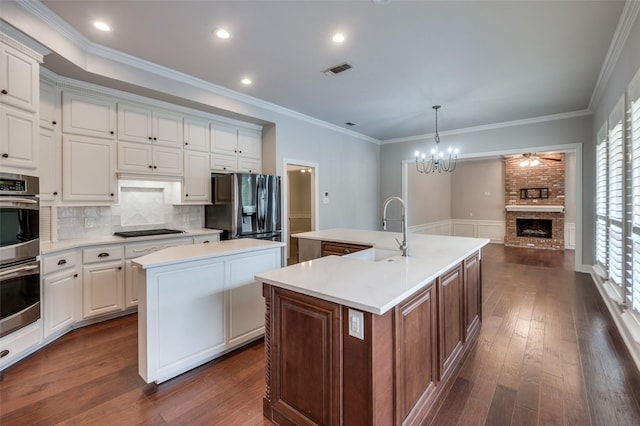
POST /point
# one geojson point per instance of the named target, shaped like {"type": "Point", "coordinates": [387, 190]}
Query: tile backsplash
{"type": "Point", "coordinates": [143, 205]}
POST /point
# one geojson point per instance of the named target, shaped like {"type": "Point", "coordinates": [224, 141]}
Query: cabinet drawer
{"type": "Point", "coordinates": [17, 343]}
{"type": "Point", "coordinates": [223, 163]}
{"type": "Point", "coordinates": [59, 261]}
{"type": "Point", "coordinates": [205, 239]}
{"type": "Point", "coordinates": [102, 254]}
{"type": "Point", "coordinates": [132, 251]}
{"type": "Point", "coordinates": [340, 249]}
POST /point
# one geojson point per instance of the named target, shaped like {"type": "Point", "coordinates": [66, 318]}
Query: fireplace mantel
{"type": "Point", "coordinates": [534, 208]}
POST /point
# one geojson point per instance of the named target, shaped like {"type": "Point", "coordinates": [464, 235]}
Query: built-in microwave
{"type": "Point", "coordinates": [19, 218]}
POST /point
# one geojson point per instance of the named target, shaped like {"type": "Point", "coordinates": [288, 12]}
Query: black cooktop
{"type": "Point", "coordinates": [147, 232]}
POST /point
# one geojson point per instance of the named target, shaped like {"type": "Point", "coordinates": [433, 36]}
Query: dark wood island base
{"type": "Point", "coordinates": [318, 374]}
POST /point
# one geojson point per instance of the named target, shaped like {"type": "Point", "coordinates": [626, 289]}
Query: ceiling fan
{"type": "Point", "coordinates": [531, 159]}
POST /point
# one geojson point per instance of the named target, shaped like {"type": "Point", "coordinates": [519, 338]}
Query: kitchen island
{"type": "Point", "coordinates": [198, 302]}
{"type": "Point", "coordinates": [372, 337]}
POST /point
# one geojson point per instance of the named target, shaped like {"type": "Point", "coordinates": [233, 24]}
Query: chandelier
{"type": "Point", "coordinates": [438, 162]}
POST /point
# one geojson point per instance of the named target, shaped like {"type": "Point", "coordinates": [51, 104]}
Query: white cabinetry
{"type": "Point", "coordinates": [235, 149]}
{"type": "Point", "coordinates": [88, 169]}
{"type": "Point", "coordinates": [88, 115]}
{"type": "Point", "coordinates": [141, 124]}
{"type": "Point", "coordinates": [102, 280]}
{"type": "Point", "coordinates": [48, 105]}
{"type": "Point", "coordinates": [142, 158]}
{"type": "Point", "coordinates": [62, 290]}
{"type": "Point", "coordinates": [215, 298]}
{"type": "Point", "coordinates": [131, 251]}
{"type": "Point", "coordinates": [196, 134]}
{"type": "Point", "coordinates": [18, 138]}
{"type": "Point", "coordinates": [50, 179]}
{"type": "Point", "coordinates": [17, 344]}
{"type": "Point", "coordinates": [19, 79]}
{"type": "Point", "coordinates": [197, 177]}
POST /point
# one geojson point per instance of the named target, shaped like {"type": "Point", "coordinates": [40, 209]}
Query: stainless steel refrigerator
{"type": "Point", "coordinates": [245, 206]}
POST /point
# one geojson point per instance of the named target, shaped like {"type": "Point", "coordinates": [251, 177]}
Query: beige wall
{"type": "Point", "coordinates": [478, 190]}
{"type": "Point", "coordinates": [429, 198]}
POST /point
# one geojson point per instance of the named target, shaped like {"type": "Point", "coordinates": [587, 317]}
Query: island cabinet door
{"type": "Point", "coordinates": [472, 295]}
{"type": "Point", "coordinates": [451, 326]}
{"type": "Point", "coordinates": [303, 361]}
{"type": "Point", "coordinates": [416, 349]}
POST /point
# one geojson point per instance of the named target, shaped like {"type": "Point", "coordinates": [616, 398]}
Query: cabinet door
{"type": "Point", "coordinates": [249, 165]}
{"type": "Point", "coordinates": [196, 134]}
{"type": "Point", "coordinates": [130, 286]}
{"type": "Point", "coordinates": [246, 305]}
{"type": "Point", "coordinates": [472, 294]}
{"type": "Point", "coordinates": [103, 288]}
{"type": "Point", "coordinates": [451, 327]}
{"type": "Point", "coordinates": [60, 294]}
{"type": "Point", "coordinates": [224, 139]}
{"type": "Point", "coordinates": [167, 129]}
{"type": "Point", "coordinates": [48, 105]}
{"type": "Point", "coordinates": [134, 123]}
{"type": "Point", "coordinates": [50, 179]}
{"type": "Point", "coordinates": [19, 79]}
{"type": "Point", "coordinates": [88, 169]}
{"type": "Point", "coordinates": [197, 176]}
{"type": "Point", "coordinates": [135, 157]}
{"type": "Point", "coordinates": [167, 161]}
{"type": "Point", "coordinates": [224, 163]}
{"type": "Point", "coordinates": [250, 143]}
{"type": "Point", "coordinates": [88, 115]}
{"type": "Point", "coordinates": [18, 138]}
{"type": "Point", "coordinates": [416, 354]}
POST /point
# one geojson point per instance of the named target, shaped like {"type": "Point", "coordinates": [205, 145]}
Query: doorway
{"type": "Point", "coordinates": [300, 207]}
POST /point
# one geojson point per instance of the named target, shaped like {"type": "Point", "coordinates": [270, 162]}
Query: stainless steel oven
{"type": "Point", "coordinates": [19, 218]}
{"type": "Point", "coordinates": [19, 250]}
{"type": "Point", "coordinates": [19, 296]}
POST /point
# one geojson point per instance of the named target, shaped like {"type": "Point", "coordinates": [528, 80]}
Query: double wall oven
{"type": "Point", "coordinates": [19, 249]}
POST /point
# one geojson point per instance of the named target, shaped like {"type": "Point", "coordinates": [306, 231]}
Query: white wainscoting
{"type": "Point", "coordinates": [491, 229]}
{"type": "Point", "coordinates": [570, 236]}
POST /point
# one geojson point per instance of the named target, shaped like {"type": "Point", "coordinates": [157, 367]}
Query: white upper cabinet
{"type": "Point", "coordinates": [141, 124]}
{"type": "Point", "coordinates": [48, 105]}
{"type": "Point", "coordinates": [224, 139]}
{"type": "Point", "coordinates": [19, 142]}
{"type": "Point", "coordinates": [88, 169]}
{"type": "Point", "coordinates": [140, 158]}
{"type": "Point", "coordinates": [50, 179]}
{"type": "Point", "coordinates": [249, 143]}
{"type": "Point", "coordinates": [197, 177]}
{"type": "Point", "coordinates": [88, 115]}
{"type": "Point", "coordinates": [196, 134]}
{"type": "Point", "coordinates": [19, 79]}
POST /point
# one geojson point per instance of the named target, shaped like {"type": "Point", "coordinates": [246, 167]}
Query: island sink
{"type": "Point", "coordinates": [374, 254]}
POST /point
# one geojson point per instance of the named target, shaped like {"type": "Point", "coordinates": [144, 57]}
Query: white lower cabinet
{"type": "Point", "coordinates": [61, 292]}
{"type": "Point", "coordinates": [102, 280]}
{"type": "Point", "coordinates": [19, 343]}
{"type": "Point", "coordinates": [193, 311]}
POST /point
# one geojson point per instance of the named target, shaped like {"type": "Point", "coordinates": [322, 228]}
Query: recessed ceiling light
{"type": "Point", "coordinates": [338, 38]}
{"type": "Point", "coordinates": [101, 26]}
{"type": "Point", "coordinates": [222, 33]}
{"type": "Point", "coordinates": [246, 81]}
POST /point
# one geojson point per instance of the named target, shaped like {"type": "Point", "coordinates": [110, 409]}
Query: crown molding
{"type": "Point", "coordinates": [22, 43]}
{"type": "Point", "coordinates": [534, 120]}
{"type": "Point", "coordinates": [47, 17]}
{"type": "Point", "coordinates": [627, 19]}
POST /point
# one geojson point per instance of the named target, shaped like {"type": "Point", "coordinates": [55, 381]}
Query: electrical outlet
{"type": "Point", "coordinates": [356, 324]}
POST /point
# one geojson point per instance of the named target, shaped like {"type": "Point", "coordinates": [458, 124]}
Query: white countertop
{"type": "Point", "coordinates": [181, 254]}
{"type": "Point", "coordinates": [111, 239]}
{"type": "Point", "coordinates": [370, 286]}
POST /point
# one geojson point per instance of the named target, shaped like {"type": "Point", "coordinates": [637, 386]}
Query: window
{"type": "Point", "coordinates": [601, 202]}
{"type": "Point", "coordinates": [615, 205]}
{"type": "Point", "coordinates": [634, 136]}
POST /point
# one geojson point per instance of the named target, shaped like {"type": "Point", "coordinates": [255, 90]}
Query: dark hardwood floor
{"type": "Point", "coordinates": [548, 353]}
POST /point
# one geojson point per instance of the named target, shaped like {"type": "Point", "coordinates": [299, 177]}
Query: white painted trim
{"type": "Point", "coordinates": [492, 229]}
{"type": "Point", "coordinates": [493, 126]}
{"type": "Point", "coordinates": [442, 227]}
{"type": "Point", "coordinates": [532, 208]}
{"type": "Point", "coordinates": [625, 23]}
{"type": "Point", "coordinates": [19, 41]}
{"type": "Point", "coordinates": [628, 327]}
{"type": "Point", "coordinates": [570, 236]}
{"type": "Point", "coordinates": [284, 190]}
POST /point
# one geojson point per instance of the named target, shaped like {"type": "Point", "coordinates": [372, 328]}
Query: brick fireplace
{"type": "Point", "coordinates": [534, 199]}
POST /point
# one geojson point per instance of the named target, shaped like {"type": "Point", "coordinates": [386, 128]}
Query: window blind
{"type": "Point", "coordinates": [601, 200]}
{"type": "Point", "coordinates": [615, 205]}
{"type": "Point", "coordinates": [634, 136]}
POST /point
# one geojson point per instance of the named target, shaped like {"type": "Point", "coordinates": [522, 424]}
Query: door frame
{"type": "Point", "coordinates": [315, 185]}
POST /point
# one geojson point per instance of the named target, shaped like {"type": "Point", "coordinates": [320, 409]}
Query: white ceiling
{"type": "Point", "coordinates": [485, 62]}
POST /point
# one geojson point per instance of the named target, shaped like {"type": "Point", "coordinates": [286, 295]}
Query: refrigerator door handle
{"type": "Point", "coordinates": [261, 202]}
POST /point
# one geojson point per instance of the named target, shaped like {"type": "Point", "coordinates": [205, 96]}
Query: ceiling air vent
{"type": "Point", "coordinates": [351, 124]}
{"type": "Point", "coordinates": [337, 69]}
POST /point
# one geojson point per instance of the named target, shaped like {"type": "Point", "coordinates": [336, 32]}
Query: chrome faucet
{"type": "Point", "coordinates": [404, 245]}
